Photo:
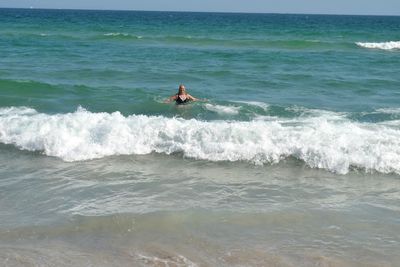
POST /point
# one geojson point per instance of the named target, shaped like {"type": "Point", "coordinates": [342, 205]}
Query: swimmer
{"type": "Point", "coordinates": [182, 97]}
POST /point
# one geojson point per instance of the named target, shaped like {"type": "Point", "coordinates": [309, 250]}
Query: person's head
{"type": "Point", "coordinates": [182, 90]}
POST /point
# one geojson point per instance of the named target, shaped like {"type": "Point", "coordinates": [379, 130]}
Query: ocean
{"type": "Point", "coordinates": [293, 160]}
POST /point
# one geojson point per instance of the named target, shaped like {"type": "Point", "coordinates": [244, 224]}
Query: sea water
{"type": "Point", "coordinates": [294, 160]}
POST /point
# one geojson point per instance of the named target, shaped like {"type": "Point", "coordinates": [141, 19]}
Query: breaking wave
{"type": "Point", "coordinates": [384, 45]}
{"type": "Point", "coordinates": [327, 141]}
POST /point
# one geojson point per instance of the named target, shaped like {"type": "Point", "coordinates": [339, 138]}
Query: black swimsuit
{"type": "Point", "coordinates": [179, 101]}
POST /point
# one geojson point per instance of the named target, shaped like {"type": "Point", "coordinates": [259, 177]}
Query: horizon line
{"type": "Point", "coordinates": [188, 11]}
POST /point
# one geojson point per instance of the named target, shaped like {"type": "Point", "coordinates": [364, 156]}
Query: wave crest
{"type": "Point", "coordinates": [121, 34]}
{"type": "Point", "coordinates": [224, 110]}
{"type": "Point", "coordinates": [383, 45]}
{"type": "Point", "coordinates": [335, 145]}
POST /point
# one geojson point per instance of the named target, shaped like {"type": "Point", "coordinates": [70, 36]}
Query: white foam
{"type": "Point", "coordinates": [392, 123]}
{"type": "Point", "coordinates": [114, 34]}
{"type": "Point", "coordinates": [223, 110]}
{"type": "Point", "coordinates": [307, 112]}
{"type": "Point", "coordinates": [265, 118]}
{"type": "Point", "coordinates": [15, 111]}
{"type": "Point", "coordinates": [170, 260]}
{"type": "Point", "coordinates": [120, 34]}
{"type": "Point", "coordinates": [321, 142]}
{"type": "Point", "coordinates": [262, 105]}
{"type": "Point", "coordinates": [389, 110]}
{"type": "Point", "coordinates": [383, 45]}
{"type": "Point", "coordinates": [123, 34]}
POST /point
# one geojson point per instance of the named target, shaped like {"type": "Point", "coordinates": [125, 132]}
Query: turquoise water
{"type": "Point", "coordinates": [294, 159]}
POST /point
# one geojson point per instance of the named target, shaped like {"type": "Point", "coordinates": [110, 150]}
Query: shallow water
{"type": "Point", "coordinates": [155, 209]}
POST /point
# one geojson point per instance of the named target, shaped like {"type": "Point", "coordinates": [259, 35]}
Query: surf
{"type": "Point", "coordinates": [381, 45]}
{"type": "Point", "coordinates": [327, 141]}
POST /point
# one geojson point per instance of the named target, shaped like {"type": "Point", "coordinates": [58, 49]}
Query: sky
{"type": "Point", "coordinates": [357, 7]}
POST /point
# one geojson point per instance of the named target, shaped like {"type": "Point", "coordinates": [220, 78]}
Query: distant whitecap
{"type": "Point", "coordinates": [383, 45]}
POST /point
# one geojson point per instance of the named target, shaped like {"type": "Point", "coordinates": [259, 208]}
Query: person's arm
{"type": "Point", "coordinates": [196, 99]}
{"type": "Point", "coordinates": [170, 99]}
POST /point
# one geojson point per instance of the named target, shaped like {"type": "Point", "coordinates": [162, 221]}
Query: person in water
{"type": "Point", "coordinates": [182, 97]}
